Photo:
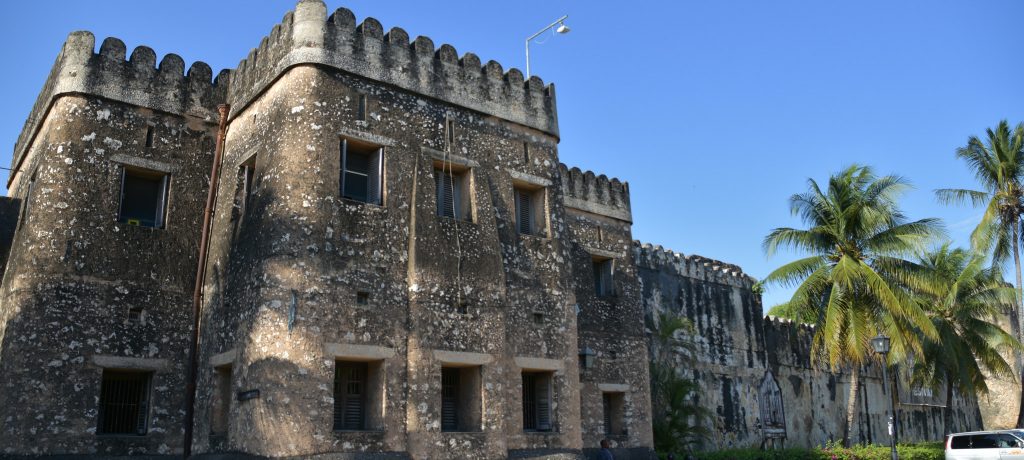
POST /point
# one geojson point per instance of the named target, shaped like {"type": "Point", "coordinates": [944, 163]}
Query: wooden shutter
{"type": "Point", "coordinates": [524, 212]}
{"type": "Point", "coordinates": [374, 176]}
{"type": "Point", "coordinates": [607, 403]}
{"type": "Point", "coordinates": [349, 396]}
{"type": "Point", "coordinates": [161, 209]}
{"type": "Point", "coordinates": [449, 399]}
{"type": "Point", "coordinates": [543, 392]}
{"type": "Point", "coordinates": [344, 166]}
{"type": "Point", "coordinates": [529, 402]}
{"type": "Point", "coordinates": [445, 193]}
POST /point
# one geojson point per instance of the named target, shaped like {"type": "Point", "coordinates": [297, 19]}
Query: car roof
{"type": "Point", "coordinates": [986, 432]}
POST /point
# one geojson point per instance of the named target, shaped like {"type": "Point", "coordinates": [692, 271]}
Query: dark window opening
{"type": "Point", "coordinates": [361, 171]}
{"type": "Point", "coordinates": [135, 315]}
{"type": "Point", "coordinates": [537, 401]}
{"type": "Point", "coordinates": [604, 283]}
{"type": "Point", "coordinates": [28, 198]}
{"type": "Point", "coordinates": [529, 206]}
{"type": "Point", "coordinates": [451, 186]}
{"type": "Point", "coordinates": [450, 131]}
{"type": "Point", "coordinates": [247, 171]}
{"type": "Point", "coordinates": [538, 318]}
{"type": "Point", "coordinates": [461, 406]}
{"type": "Point", "coordinates": [149, 136]}
{"type": "Point", "coordinates": [361, 108]}
{"type": "Point", "coordinates": [221, 406]}
{"type": "Point", "coordinates": [350, 389]}
{"type": "Point", "coordinates": [143, 197]}
{"type": "Point", "coordinates": [124, 403]}
{"type": "Point", "coordinates": [526, 153]}
{"type": "Point", "coordinates": [613, 405]}
{"type": "Point", "coordinates": [362, 298]}
{"type": "Point", "coordinates": [449, 399]}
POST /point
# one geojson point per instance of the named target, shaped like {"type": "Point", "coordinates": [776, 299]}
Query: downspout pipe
{"type": "Point", "coordinates": [197, 295]}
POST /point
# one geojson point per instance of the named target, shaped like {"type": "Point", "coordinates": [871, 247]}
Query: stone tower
{"type": "Point", "coordinates": [399, 264]}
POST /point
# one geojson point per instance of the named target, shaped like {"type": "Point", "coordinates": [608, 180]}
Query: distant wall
{"type": "Point", "coordinates": [736, 346]}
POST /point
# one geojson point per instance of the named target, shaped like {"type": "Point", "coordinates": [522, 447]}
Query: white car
{"type": "Point", "coordinates": [986, 445]}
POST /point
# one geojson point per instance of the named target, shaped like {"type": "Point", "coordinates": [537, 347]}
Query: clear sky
{"type": "Point", "coordinates": [714, 111]}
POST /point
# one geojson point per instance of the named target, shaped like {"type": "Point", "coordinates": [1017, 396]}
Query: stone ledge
{"type": "Point", "coordinates": [124, 362]}
{"type": "Point", "coordinates": [539, 364]}
{"type": "Point", "coordinates": [357, 352]}
{"type": "Point", "coordinates": [463, 357]}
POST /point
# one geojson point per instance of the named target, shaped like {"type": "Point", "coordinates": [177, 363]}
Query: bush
{"type": "Point", "coordinates": [923, 451]}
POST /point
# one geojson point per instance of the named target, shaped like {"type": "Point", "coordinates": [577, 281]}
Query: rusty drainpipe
{"type": "Point", "coordinates": [197, 295]}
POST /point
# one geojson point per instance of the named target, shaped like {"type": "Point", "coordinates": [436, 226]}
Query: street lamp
{"type": "Point", "coordinates": [881, 346]}
{"type": "Point", "coordinates": [562, 29]}
{"type": "Point", "coordinates": [587, 358]}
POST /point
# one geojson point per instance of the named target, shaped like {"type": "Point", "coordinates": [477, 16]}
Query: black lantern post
{"type": "Point", "coordinates": [881, 346]}
{"type": "Point", "coordinates": [587, 357]}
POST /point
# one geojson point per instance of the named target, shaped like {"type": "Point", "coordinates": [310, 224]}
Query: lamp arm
{"type": "Point", "coordinates": [531, 37]}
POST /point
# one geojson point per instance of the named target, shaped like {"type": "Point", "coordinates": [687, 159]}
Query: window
{"type": "Point", "coordinates": [604, 284]}
{"type": "Point", "coordinates": [362, 298]}
{"type": "Point", "coordinates": [246, 172]}
{"type": "Point", "coordinates": [361, 108]}
{"type": "Point", "coordinates": [537, 401]}
{"type": "Point", "coordinates": [613, 404]}
{"type": "Point", "coordinates": [460, 399]}
{"type": "Point", "coordinates": [135, 315]}
{"type": "Point", "coordinates": [124, 403]}
{"type": "Point", "coordinates": [529, 204]}
{"type": "Point", "coordinates": [220, 414]}
{"type": "Point", "coordinates": [452, 186]}
{"type": "Point", "coordinates": [143, 197]}
{"type": "Point", "coordinates": [449, 133]}
{"type": "Point", "coordinates": [526, 152]}
{"type": "Point", "coordinates": [361, 171]}
{"type": "Point", "coordinates": [28, 198]}
{"type": "Point", "coordinates": [358, 395]}
{"type": "Point", "coordinates": [149, 136]}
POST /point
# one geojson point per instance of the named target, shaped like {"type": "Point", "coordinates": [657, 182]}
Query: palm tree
{"type": "Point", "coordinates": [962, 297]}
{"type": "Point", "coordinates": [998, 164]}
{"type": "Point", "coordinates": [855, 279]}
{"type": "Point", "coordinates": [677, 418]}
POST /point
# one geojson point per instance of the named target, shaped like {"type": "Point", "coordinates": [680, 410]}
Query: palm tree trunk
{"type": "Point", "coordinates": [851, 406]}
{"type": "Point", "coordinates": [947, 413]}
{"type": "Point", "coordinates": [1020, 319]}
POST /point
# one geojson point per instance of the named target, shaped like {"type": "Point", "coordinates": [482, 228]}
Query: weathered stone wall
{"type": "Point", "coordinates": [735, 346]}
{"type": "Point", "coordinates": [74, 272]}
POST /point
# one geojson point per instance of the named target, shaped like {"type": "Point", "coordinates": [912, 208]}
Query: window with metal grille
{"type": "Point", "coordinates": [529, 204]}
{"type": "Point", "coordinates": [537, 401]}
{"type": "Point", "coordinates": [449, 399]}
{"type": "Point", "coordinates": [362, 167]}
{"type": "Point", "coordinates": [350, 390]}
{"type": "Point", "coordinates": [143, 197]}
{"type": "Point", "coordinates": [613, 406]}
{"type": "Point", "coordinates": [604, 285]}
{"type": "Point", "coordinates": [451, 185]}
{"type": "Point", "coordinates": [124, 403]}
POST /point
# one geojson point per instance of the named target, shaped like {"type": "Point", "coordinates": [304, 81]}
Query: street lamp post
{"type": "Point", "coordinates": [881, 346]}
{"type": "Point", "coordinates": [562, 29]}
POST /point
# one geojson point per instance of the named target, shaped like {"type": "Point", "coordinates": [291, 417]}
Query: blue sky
{"type": "Point", "coordinates": [714, 111]}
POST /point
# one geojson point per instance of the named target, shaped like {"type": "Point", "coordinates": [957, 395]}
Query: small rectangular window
{"type": "Point", "coordinates": [526, 153]}
{"type": "Point", "coordinates": [450, 133]}
{"type": "Point", "coordinates": [220, 414]}
{"type": "Point", "coordinates": [124, 403]}
{"type": "Point", "coordinates": [350, 396]}
{"type": "Point", "coordinates": [461, 406]}
{"type": "Point", "coordinates": [361, 108]}
{"type": "Point", "coordinates": [362, 298]}
{"type": "Point", "coordinates": [143, 197]}
{"type": "Point", "coordinates": [537, 401]}
{"type": "Point", "coordinates": [452, 186]}
{"type": "Point", "coordinates": [604, 285]}
{"type": "Point", "coordinates": [361, 171]}
{"type": "Point", "coordinates": [149, 136]}
{"type": "Point", "coordinates": [529, 207]}
{"type": "Point", "coordinates": [613, 405]}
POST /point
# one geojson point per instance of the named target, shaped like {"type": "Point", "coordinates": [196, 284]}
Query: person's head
{"type": "Point", "coordinates": [605, 444]}
{"type": "Point", "coordinates": [671, 457]}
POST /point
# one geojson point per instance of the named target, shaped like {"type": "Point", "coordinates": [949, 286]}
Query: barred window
{"type": "Point", "coordinates": [452, 185]}
{"type": "Point", "coordinates": [529, 208]}
{"type": "Point", "coordinates": [537, 401]}
{"type": "Point", "coordinates": [350, 396]}
{"type": "Point", "coordinates": [124, 403]}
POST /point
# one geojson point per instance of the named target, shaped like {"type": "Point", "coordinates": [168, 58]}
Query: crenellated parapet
{"type": "Point", "coordinates": [309, 36]}
{"type": "Point", "coordinates": [594, 193]}
{"type": "Point", "coordinates": [137, 80]}
{"type": "Point", "coordinates": [692, 266]}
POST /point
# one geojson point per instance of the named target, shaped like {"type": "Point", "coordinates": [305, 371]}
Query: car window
{"type": "Point", "coordinates": [1007, 440]}
{"type": "Point", "coordinates": [985, 441]}
{"type": "Point", "coordinates": [960, 442]}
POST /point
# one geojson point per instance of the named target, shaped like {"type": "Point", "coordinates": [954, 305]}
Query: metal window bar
{"type": "Point", "coordinates": [524, 212]}
{"type": "Point", "coordinates": [124, 403]}
{"type": "Point", "coordinates": [350, 396]}
{"type": "Point", "coordinates": [529, 402]}
{"type": "Point", "coordinates": [446, 193]}
{"type": "Point", "coordinates": [449, 399]}
{"type": "Point", "coordinates": [607, 403]}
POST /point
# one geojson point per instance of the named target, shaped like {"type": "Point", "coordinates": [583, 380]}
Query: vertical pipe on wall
{"type": "Point", "coordinates": [197, 295]}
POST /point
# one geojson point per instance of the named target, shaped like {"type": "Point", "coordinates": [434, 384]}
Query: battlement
{"type": "Point", "coordinates": [594, 193]}
{"type": "Point", "coordinates": [780, 322]}
{"type": "Point", "coordinates": [137, 80]}
{"type": "Point", "coordinates": [692, 266]}
{"type": "Point", "coordinates": [308, 36]}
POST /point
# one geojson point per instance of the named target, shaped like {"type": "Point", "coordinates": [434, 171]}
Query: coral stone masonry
{"type": "Point", "coordinates": [399, 267]}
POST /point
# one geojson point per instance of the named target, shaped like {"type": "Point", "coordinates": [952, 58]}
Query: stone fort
{"type": "Point", "coordinates": [397, 265]}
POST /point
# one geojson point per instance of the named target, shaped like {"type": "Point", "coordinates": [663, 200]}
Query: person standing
{"type": "Point", "coordinates": [606, 451]}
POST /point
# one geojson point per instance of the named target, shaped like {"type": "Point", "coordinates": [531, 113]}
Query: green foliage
{"type": "Point", "coordinates": [785, 310]}
{"type": "Point", "coordinates": [924, 451]}
{"type": "Point", "coordinates": [677, 420]}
